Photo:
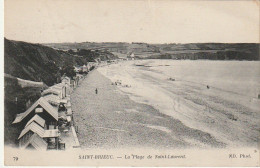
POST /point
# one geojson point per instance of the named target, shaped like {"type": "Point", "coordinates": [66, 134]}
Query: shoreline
{"type": "Point", "coordinates": [127, 123]}
{"type": "Point", "coordinates": [221, 114]}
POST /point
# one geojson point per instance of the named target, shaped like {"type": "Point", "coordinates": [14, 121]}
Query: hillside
{"type": "Point", "coordinates": [92, 55]}
{"type": "Point", "coordinates": [33, 61]}
{"type": "Point", "coordinates": [219, 51]}
{"type": "Point", "coordinates": [16, 96]}
{"type": "Point", "coordinates": [28, 69]}
{"type": "Point", "coordinates": [40, 63]}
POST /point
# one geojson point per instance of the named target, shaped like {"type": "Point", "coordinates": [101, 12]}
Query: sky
{"type": "Point", "coordinates": [160, 21]}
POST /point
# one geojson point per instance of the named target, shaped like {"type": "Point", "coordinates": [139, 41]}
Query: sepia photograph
{"type": "Point", "coordinates": [131, 83]}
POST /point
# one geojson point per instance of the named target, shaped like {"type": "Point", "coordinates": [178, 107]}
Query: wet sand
{"type": "Point", "coordinates": [110, 119]}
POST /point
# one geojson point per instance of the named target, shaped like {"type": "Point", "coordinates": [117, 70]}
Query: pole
{"type": "Point", "coordinates": [16, 104]}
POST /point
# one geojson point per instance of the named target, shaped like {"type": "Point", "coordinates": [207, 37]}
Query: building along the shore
{"type": "Point", "coordinates": [46, 119]}
{"type": "Point", "coordinates": [62, 88]}
{"type": "Point", "coordinates": [37, 126]}
{"type": "Point", "coordinates": [59, 91]}
{"type": "Point", "coordinates": [77, 69]}
{"type": "Point", "coordinates": [34, 142]}
{"type": "Point", "coordinates": [65, 80]}
{"type": "Point", "coordinates": [41, 119]}
{"type": "Point", "coordinates": [42, 108]}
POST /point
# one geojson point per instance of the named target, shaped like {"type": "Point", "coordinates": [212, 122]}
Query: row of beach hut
{"type": "Point", "coordinates": [48, 117]}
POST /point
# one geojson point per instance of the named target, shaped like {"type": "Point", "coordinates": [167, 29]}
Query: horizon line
{"type": "Point", "coordinates": [137, 42]}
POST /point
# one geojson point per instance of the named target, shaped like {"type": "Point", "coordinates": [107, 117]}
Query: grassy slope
{"type": "Point", "coordinates": [41, 63]}
{"type": "Point", "coordinates": [12, 91]}
{"type": "Point", "coordinates": [35, 62]}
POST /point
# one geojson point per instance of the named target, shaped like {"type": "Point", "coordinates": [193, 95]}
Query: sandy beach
{"type": "Point", "coordinates": [110, 119]}
{"type": "Point", "coordinates": [147, 110]}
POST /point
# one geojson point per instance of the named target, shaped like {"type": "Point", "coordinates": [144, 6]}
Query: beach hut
{"type": "Point", "coordinates": [28, 131]}
{"type": "Point", "coordinates": [53, 91]}
{"type": "Point", "coordinates": [42, 108]}
{"type": "Point", "coordinates": [65, 80]}
{"type": "Point", "coordinates": [73, 84]}
{"type": "Point", "coordinates": [76, 80]}
{"type": "Point", "coordinates": [35, 142]}
{"type": "Point", "coordinates": [37, 125]}
{"type": "Point", "coordinates": [38, 120]}
{"type": "Point", "coordinates": [47, 138]}
{"type": "Point", "coordinates": [54, 100]}
{"type": "Point", "coordinates": [62, 88]}
{"type": "Point", "coordinates": [84, 68]}
{"type": "Point", "coordinates": [63, 106]}
{"type": "Point", "coordinates": [59, 89]}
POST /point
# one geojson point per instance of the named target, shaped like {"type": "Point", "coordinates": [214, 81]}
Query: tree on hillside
{"type": "Point", "coordinates": [68, 70]}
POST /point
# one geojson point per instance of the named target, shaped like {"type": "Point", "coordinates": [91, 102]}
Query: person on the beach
{"type": "Point", "coordinates": [96, 91]}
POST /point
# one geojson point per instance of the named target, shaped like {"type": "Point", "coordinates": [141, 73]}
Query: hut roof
{"type": "Point", "coordinates": [66, 77]}
{"type": "Point", "coordinates": [34, 127]}
{"type": "Point", "coordinates": [41, 101]}
{"type": "Point", "coordinates": [55, 100]}
{"type": "Point", "coordinates": [51, 90]}
{"type": "Point", "coordinates": [37, 142]}
{"type": "Point", "coordinates": [58, 86]}
{"type": "Point", "coordinates": [36, 119]}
